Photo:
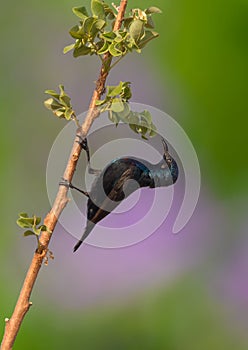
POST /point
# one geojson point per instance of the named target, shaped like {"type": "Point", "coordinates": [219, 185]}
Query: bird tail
{"type": "Point", "coordinates": [88, 229]}
{"type": "Point", "coordinates": [77, 245]}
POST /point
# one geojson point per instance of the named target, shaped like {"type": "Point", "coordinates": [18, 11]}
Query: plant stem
{"type": "Point", "coordinates": [23, 304]}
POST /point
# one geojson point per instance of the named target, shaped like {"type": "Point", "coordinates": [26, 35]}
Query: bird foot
{"type": "Point", "coordinates": [68, 184]}
{"type": "Point", "coordinates": [65, 183]}
{"type": "Point", "coordinates": [83, 143]}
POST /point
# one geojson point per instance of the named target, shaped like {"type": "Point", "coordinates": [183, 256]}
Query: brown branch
{"type": "Point", "coordinates": [23, 303]}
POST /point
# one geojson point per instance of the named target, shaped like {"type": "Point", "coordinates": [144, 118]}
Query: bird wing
{"type": "Point", "coordinates": [111, 200]}
{"type": "Point", "coordinates": [114, 194]}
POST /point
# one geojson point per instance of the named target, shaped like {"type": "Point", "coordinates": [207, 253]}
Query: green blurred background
{"type": "Point", "coordinates": [197, 72]}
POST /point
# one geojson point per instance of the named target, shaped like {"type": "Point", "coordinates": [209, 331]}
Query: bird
{"type": "Point", "coordinates": [111, 185]}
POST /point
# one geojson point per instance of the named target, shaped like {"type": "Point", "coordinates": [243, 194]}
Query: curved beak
{"type": "Point", "coordinates": [167, 156]}
{"type": "Point", "coordinates": [165, 146]}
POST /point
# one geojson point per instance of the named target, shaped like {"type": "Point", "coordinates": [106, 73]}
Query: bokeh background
{"type": "Point", "coordinates": [168, 292]}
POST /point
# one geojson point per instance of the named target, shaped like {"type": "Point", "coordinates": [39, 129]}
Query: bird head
{"type": "Point", "coordinates": [171, 163]}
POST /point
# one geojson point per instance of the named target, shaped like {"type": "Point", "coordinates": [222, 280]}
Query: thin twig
{"type": "Point", "coordinates": [23, 304]}
{"type": "Point", "coordinates": [117, 61]}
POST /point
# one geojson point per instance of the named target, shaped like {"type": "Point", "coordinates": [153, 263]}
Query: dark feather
{"type": "Point", "coordinates": [112, 185]}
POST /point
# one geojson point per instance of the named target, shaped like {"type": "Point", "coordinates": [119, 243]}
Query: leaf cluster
{"type": "Point", "coordinates": [116, 103]}
{"type": "Point", "coordinates": [60, 104]}
{"type": "Point", "coordinates": [32, 223]}
{"type": "Point", "coordinates": [94, 34]}
{"type": "Point", "coordinates": [141, 123]}
{"type": "Point", "coordinates": [115, 97]}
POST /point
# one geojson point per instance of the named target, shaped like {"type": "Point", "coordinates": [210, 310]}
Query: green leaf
{"type": "Point", "coordinates": [52, 104]}
{"type": "Point", "coordinates": [136, 30]}
{"type": "Point", "coordinates": [28, 233]}
{"type": "Point", "coordinates": [126, 93]}
{"type": "Point", "coordinates": [37, 220]}
{"type": "Point", "coordinates": [108, 11]}
{"type": "Point", "coordinates": [133, 127]}
{"type": "Point", "coordinates": [97, 25]}
{"type": "Point", "coordinates": [23, 224]}
{"type": "Point", "coordinates": [147, 116]}
{"type": "Point", "coordinates": [60, 113]}
{"type": "Point", "coordinates": [23, 215]}
{"type": "Point", "coordinates": [81, 12]}
{"type": "Point", "coordinates": [25, 221]}
{"type": "Point", "coordinates": [97, 9]}
{"type": "Point", "coordinates": [75, 32]}
{"type": "Point", "coordinates": [36, 231]}
{"type": "Point", "coordinates": [153, 131]}
{"type": "Point", "coordinates": [100, 102]}
{"type": "Point", "coordinates": [133, 118]}
{"type": "Point", "coordinates": [113, 117]}
{"type": "Point", "coordinates": [141, 123]}
{"type": "Point", "coordinates": [58, 105]}
{"type": "Point", "coordinates": [68, 48]}
{"type": "Point", "coordinates": [152, 10]}
{"type": "Point", "coordinates": [104, 48]}
{"type": "Point", "coordinates": [81, 51]}
{"type": "Point", "coordinates": [127, 21]}
{"type": "Point", "coordinates": [43, 228]}
{"type": "Point", "coordinates": [123, 115]}
{"type": "Point", "coordinates": [111, 16]}
{"type": "Point", "coordinates": [87, 25]}
{"type": "Point", "coordinates": [109, 36]}
{"type": "Point", "coordinates": [68, 114]}
{"type": "Point", "coordinates": [62, 89]}
{"type": "Point", "coordinates": [149, 35]}
{"type": "Point", "coordinates": [120, 36]}
{"type": "Point", "coordinates": [117, 105]}
{"type": "Point", "coordinates": [142, 129]}
{"type": "Point", "coordinates": [65, 100]}
{"type": "Point", "coordinates": [52, 93]}
{"type": "Point", "coordinates": [114, 90]}
{"type": "Point", "coordinates": [114, 51]}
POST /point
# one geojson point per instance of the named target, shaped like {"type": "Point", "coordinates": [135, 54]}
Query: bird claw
{"type": "Point", "coordinates": [65, 183]}
{"type": "Point", "coordinates": [68, 184]}
{"type": "Point", "coordinates": [83, 143]}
